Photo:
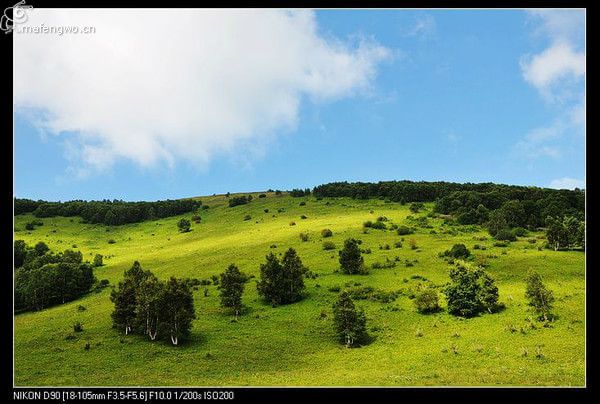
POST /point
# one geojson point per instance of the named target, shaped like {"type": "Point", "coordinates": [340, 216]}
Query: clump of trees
{"type": "Point", "coordinates": [538, 296]}
{"type": "Point", "coordinates": [43, 278]}
{"type": "Point", "coordinates": [471, 291]}
{"type": "Point", "coordinates": [300, 192]}
{"type": "Point", "coordinates": [158, 309]}
{"type": "Point", "coordinates": [282, 282]}
{"type": "Point", "coordinates": [107, 212]}
{"type": "Point", "coordinates": [568, 232]}
{"type": "Point", "coordinates": [232, 288]}
{"type": "Point", "coordinates": [239, 200]}
{"type": "Point", "coordinates": [349, 323]}
{"type": "Point", "coordinates": [351, 260]}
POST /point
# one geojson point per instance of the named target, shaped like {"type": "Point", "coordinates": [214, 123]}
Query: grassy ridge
{"type": "Point", "coordinates": [295, 344]}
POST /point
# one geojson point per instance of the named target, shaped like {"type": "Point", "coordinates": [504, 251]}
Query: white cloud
{"type": "Point", "coordinates": [556, 69]}
{"type": "Point", "coordinates": [567, 183]}
{"type": "Point", "coordinates": [553, 66]}
{"type": "Point", "coordinates": [162, 85]}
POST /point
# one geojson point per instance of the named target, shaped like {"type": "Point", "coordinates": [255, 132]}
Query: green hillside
{"type": "Point", "coordinates": [295, 344]}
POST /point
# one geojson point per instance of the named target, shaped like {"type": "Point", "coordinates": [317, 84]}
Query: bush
{"type": "Point", "coordinates": [367, 224]}
{"type": "Point", "coordinates": [184, 225]}
{"type": "Point", "coordinates": [292, 223]}
{"type": "Point", "coordinates": [398, 244]}
{"type": "Point", "coordinates": [111, 241]}
{"type": "Point", "coordinates": [78, 327]}
{"type": "Point", "coordinates": [458, 251]}
{"type": "Point", "coordinates": [29, 226]}
{"type": "Point", "coordinates": [379, 225]}
{"type": "Point", "coordinates": [262, 196]}
{"type": "Point", "coordinates": [328, 245]}
{"type": "Point", "coordinates": [302, 203]}
{"type": "Point", "coordinates": [413, 244]}
{"type": "Point", "coordinates": [326, 233]}
{"type": "Point", "coordinates": [98, 260]}
{"type": "Point", "coordinates": [303, 217]}
{"type": "Point", "coordinates": [247, 217]}
{"type": "Point", "coordinates": [505, 235]}
{"type": "Point", "coordinates": [415, 207]}
{"type": "Point", "coordinates": [303, 236]}
{"type": "Point", "coordinates": [427, 301]}
{"type": "Point", "coordinates": [196, 218]}
{"type": "Point", "coordinates": [404, 230]}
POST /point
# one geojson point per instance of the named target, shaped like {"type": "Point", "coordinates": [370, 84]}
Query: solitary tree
{"type": "Point", "coordinates": [539, 297]}
{"type": "Point", "coordinates": [232, 287]}
{"type": "Point", "coordinates": [470, 292]}
{"type": "Point", "coordinates": [176, 310]}
{"type": "Point", "coordinates": [349, 323]}
{"type": "Point", "coordinates": [351, 261]}
{"type": "Point", "coordinates": [184, 225]}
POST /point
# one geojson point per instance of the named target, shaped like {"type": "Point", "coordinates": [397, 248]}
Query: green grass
{"type": "Point", "coordinates": [294, 345]}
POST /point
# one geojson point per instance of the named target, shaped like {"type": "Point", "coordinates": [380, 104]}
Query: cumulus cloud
{"type": "Point", "coordinates": [567, 183]}
{"type": "Point", "coordinates": [163, 85]}
{"type": "Point", "coordinates": [561, 65]}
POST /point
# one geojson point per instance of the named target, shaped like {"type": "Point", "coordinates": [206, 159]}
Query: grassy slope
{"type": "Point", "coordinates": [293, 345]}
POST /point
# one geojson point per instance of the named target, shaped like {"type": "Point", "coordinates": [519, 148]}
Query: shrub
{"type": "Point", "coordinates": [98, 260]}
{"type": "Point", "coordinates": [505, 235]}
{"type": "Point", "coordinates": [334, 289]}
{"type": "Point", "coordinates": [266, 210]}
{"type": "Point", "coordinates": [379, 226]}
{"type": "Point", "coordinates": [368, 223]}
{"type": "Point", "coordinates": [303, 236]}
{"type": "Point", "coordinates": [292, 223]}
{"type": "Point", "coordinates": [427, 301]}
{"type": "Point", "coordinates": [413, 244]}
{"type": "Point", "coordinates": [184, 225]}
{"type": "Point", "coordinates": [398, 244]}
{"type": "Point", "coordinates": [302, 203]}
{"type": "Point", "coordinates": [262, 196]}
{"type": "Point", "coordinates": [111, 241]}
{"type": "Point", "coordinates": [247, 217]}
{"type": "Point", "coordinates": [404, 230]}
{"type": "Point", "coordinates": [303, 217]}
{"type": "Point", "coordinates": [78, 327]}
{"type": "Point", "coordinates": [81, 308]}
{"type": "Point", "coordinates": [29, 226]}
{"type": "Point", "coordinates": [326, 233]}
{"type": "Point", "coordinates": [458, 251]}
{"type": "Point", "coordinates": [328, 245]}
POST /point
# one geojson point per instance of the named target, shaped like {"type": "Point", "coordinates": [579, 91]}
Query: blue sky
{"type": "Point", "coordinates": [465, 96]}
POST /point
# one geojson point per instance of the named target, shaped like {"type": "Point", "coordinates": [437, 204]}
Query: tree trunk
{"type": "Point", "coordinates": [174, 339]}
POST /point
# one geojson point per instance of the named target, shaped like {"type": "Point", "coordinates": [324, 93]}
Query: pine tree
{"type": "Point", "coordinates": [232, 288]}
{"type": "Point", "coordinates": [349, 323]}
{"type": "Point", "coordinates": [351, 261]}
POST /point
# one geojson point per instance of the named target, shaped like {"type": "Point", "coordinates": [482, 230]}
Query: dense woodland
{"type": "Point", "coordinates": [44, 278]}
{"type": "Point", "coordinates": [107, 212]}
{"type": "Point", "coordinates": [519, 206]}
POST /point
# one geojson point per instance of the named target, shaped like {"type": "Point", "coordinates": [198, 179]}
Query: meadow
{"type": "Point", "coordinates": [295, 345]}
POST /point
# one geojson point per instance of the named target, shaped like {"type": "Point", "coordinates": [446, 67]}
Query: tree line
{"type": "Point", "coordinates": [115, 212]}
{"type": "Point", "coordinates": [43, 278]}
